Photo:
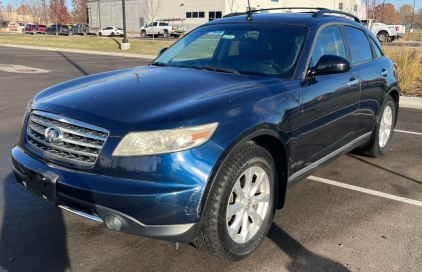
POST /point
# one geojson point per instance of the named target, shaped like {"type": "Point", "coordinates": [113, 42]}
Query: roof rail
{"type": "Point", "coordinates": [258, 10]}
{"type": "Point", "coordinates": [321, 14]}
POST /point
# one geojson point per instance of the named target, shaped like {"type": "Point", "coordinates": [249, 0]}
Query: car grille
{"type": "Point", "coordinates": [75, 142]}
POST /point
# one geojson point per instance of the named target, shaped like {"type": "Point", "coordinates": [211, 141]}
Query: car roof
{"type": "Point", "coordinates": [305, 19]}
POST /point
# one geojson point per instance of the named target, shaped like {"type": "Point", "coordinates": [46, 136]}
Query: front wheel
{"type": "Point", "coordinates": [112, 34]}
{"type": "Point", "coordinates": [241, 205]}
{"type": "Point", "coordinates": [382, 134]}
{"type": "Point", "coordinates": [143, 34]}
{"type": "Point", "coordinates": [100, 34]}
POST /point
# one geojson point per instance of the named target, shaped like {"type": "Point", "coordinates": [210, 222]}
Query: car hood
{"type": "Point", "coordinates": [143, 98]}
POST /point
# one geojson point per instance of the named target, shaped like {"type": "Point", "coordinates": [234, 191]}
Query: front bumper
{"type": "Point", "coordinates": [163, 211]}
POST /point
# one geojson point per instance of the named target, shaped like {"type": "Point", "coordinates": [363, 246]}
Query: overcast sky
{"type": "Point", "coordinates": [396, 3]}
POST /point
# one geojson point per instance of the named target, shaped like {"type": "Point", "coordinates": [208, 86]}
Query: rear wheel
{"type": "Point", "coordinates": [165, 34]}
{"type": "Point", "coordinates": [241, 205]}
{"type": "Point", "coordinates": [383, 37]}
{"type": "Point", "coordinates": [382, 134]}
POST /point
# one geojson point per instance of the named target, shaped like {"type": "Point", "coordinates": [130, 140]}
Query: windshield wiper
{"type": "Point", "coordinates": [218, 69]}
{"type": "Point", "coordinates": [161, 64]}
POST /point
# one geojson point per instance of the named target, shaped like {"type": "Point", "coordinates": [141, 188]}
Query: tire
{"type": "Point", "coordinates": [382, 135]}
{"type": "Point", "coordinates": [227, 191]}
{"type": "Point", "coordinates": [70, 33]}
{"type": "Point", "coordinates": [383, 37]}
{"type": "Point", "coordinates": [85, 34]}
{"type": "Point", "coordinates": [100, 34]}
{"type": "Point", "coordinates": [143, 34]}
{"type": "Point", "coordinates": [112, 34]}
{"type": "Point", "coordinates": [165, 34]}
{"type": "Point", "coordinates": [34, 32]}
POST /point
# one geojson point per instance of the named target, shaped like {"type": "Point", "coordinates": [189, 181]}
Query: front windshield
{"type": "Point", "coordinates": [269, 50]}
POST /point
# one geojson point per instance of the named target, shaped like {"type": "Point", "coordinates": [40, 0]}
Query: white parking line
{"type": "Point", "coordinates": [367, 191]}
{"type": "Point", "coordinates": [408, 132]}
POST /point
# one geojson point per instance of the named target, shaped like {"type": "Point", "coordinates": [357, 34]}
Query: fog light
{"type": "Point", "coordinates": [113, 222]}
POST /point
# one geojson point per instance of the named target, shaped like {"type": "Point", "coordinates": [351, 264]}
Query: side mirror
{"type": "Point", "coordinates": [331, 64]}
{"type": "Point", "coordinates": [162, 50]}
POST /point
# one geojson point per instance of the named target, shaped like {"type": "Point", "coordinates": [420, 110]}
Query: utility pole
{"type": "Point", "coordinates": [382, 16]}
{"type": "Point", "coordinates": [1, 18]}
{"type": "Point", "coordinates": [413, 14]}
{"type": "Point", "coordinates": [125, 44]}
{"type": "Point", "coordinates": [99, 14]}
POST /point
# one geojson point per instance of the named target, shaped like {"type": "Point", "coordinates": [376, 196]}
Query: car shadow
{"type": "Point", "coordinates": [25, 243]}
{"type": "Point", "coordinates": [383, 168]}
{"type": "Point", "coordinates": [301, 258]}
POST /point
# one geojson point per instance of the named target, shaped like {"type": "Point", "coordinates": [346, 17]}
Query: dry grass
{"type": "Point", "coordinates": [409, 61]}
{"type": "Point", "coordinates": [93, 43]}
{"type": "Point", "coordinates": [415, 36]}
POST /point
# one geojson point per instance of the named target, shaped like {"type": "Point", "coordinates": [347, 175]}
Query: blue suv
{"type": "Point", "coordinates": [201, 145]}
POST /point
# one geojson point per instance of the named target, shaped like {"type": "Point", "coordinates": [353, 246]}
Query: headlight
{"type": "Point", "coordinates": [164, 141]}
{"type": "Point", "coordinates": [28, 109]}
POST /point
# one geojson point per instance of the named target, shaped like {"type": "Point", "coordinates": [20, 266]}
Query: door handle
{"type": "Point", "coordinates": [384, 73]}
{"type": "Point", "coordinates": [353, 82]}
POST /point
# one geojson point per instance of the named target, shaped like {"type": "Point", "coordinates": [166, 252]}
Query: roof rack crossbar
{"type": "Point", "coordinates": [321, 13]}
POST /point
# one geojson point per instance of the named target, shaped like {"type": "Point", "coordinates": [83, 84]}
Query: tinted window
{"type": "Point", "coordinates": [329, 42]}
{"type": "Point", "coordinates": [359, 45]}
{"type": "Point", "coordinates": [377, 49]}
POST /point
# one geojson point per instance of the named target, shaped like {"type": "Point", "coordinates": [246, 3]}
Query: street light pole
{"type": "Point", "coordinates": [125, 44]}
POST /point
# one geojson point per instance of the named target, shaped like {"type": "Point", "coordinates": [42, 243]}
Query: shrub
{"type": "Point", "coordinates": [409, 61]}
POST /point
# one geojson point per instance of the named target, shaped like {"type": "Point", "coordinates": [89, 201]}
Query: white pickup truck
{"type": "Point", "coordinates": [160, 28]}
{"type": "Point", "coordinates": [385, 33]}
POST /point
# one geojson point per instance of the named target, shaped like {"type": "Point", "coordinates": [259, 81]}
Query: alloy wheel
{"type": "Point", "coordinates": [248, 204]}
{"type": "Point", "coordinates": [385, 126]}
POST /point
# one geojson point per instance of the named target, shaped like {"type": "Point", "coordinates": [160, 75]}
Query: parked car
{"type": "Point", "coordinates": [80, 29]}
{"type": "Point", "coordinates": [201, 145]}
{"type": "Point", "coordinates": [111, 31]}
{"type": "Point", "coordinates": [35, 29]}
{"type": "Point", "coordinates": [61, 29]}
{"type": "Point", "coordinates": [383, 32]}
{"type": "Point", "coordinates": [160, 28]}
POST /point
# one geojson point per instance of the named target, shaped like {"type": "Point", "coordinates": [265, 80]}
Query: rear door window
{"type": "Point", "coordinates": [329, 42]}
{"type": "Point", "coordinates": [359, 45]}
{"type": "Point", "coordinates": [378, 51]}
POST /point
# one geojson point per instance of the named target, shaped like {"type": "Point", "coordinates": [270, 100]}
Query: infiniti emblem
{"type": "Point", "coordinates": [53, 135]}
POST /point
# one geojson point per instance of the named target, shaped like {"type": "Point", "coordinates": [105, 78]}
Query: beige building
{"type": "Point", "coordinates": [197, 12]}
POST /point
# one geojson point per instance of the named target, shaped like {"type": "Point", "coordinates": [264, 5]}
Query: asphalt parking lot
{"type": "Point", "coordinates": [358, 214]}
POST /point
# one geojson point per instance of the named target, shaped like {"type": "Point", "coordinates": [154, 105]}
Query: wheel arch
{"type": "Point", "coordinates": [395, 94]}
{"type": "Point", "coordinates": [269, 140]}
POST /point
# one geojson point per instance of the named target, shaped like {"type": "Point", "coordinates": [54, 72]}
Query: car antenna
{"type": "Point", "coordinates": [249, 18]}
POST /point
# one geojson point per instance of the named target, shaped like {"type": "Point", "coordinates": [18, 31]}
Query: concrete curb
{"type": "Point", "coordinates": [411, 102]}
{"type": "Point", "coordinates": [81, 51]}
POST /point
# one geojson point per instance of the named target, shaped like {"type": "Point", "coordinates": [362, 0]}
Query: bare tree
{"type": "Point", "coordinates": [35, 10]}
{"type": "Point", "coordinates": [232, 5]}
{"type": "Point", "coordinates": [151, 8]}
{"type": "Point", "coordinates": [405, 13]}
